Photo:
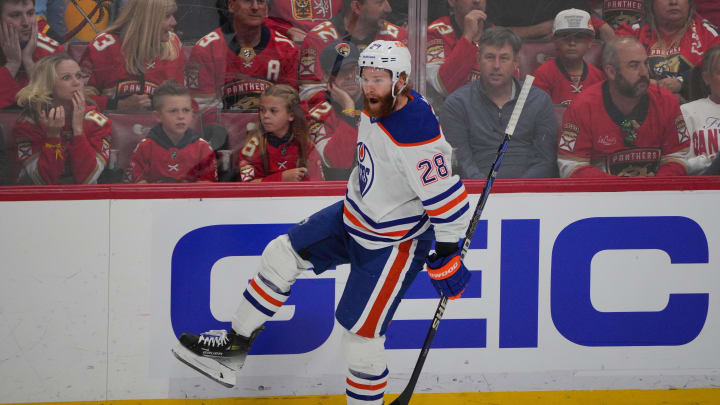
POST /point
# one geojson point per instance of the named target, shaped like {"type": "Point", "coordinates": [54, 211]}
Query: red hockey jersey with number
{"type": "Point", "coordinates": [157, 159]}
{"type": "Point", "coordinates": [220, 69]}
{"type": "Point", "coordinates": [333, 132]}
{"type": "Point", "coordinates": [282, 154]}
{"type": "Point", "coordinates": [305, 14]}
{"type": "Point", "coordinates": [309, 70]}
{"type": "Point", "coordinates": [68, 159]}
{"type": "Point", "coordinates": [9, 85]}
{"type": "Point", "coordinates": [594, 139]}
{"type": "Point", "coordinates": [562, 87]}
{"type": "Point", "coordinates": [104, 64]}
{"type": "Point", "coordinates": [451, 58]}
{"type": "Point", "coordinates": [682, 54]}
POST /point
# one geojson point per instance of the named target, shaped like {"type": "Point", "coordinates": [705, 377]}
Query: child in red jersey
{"type": "Point", "coordinates": [280, 149]}
{"type": "Point", "coordinates": [565, 76]}
{"type": "Point", "coordinates": [172, 152]}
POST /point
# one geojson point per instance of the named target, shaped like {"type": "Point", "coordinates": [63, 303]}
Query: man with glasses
{"type": "Point", "coordinates": [566, 75]}
{"type": "Point", "coordinates": [624, 126]}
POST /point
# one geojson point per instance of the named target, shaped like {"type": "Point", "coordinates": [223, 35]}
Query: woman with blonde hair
{"type": "Point", "coordinates": [138, 52]}
{"type": "Point", "coordinates": [280, 148]}
{"type": "Point", "coordinates": [58, 138]}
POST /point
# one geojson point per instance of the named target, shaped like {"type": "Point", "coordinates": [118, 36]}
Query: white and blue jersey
{"type": "Point", "coordinates": [403, 182]}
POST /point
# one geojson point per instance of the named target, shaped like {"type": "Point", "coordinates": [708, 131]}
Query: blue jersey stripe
{"type": "Point", "coordinates": [257, 305]}
{"type": "Point", "coordinates": [380, 225]}
{"type": "Point", "coordinates": [368, 236]}
{"type": "Point", "coordinates": [364, 397]}
{"type": "Point", "coordinates": [444, 194]}
{"type": "Point", "coordinates": [451, 218]}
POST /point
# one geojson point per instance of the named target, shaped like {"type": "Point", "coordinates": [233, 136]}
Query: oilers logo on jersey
{"type": "Point", "coordinates": [366, 168]}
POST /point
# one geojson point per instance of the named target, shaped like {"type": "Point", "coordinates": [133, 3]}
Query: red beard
{"type": "Point", "coordinates": [383, 110]}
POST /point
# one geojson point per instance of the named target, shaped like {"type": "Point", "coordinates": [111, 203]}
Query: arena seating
{"type": "Point", "coordinates": [535, 53]}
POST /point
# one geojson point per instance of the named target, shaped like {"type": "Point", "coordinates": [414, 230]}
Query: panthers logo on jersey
{"type": "Point", "coordinates": [365, 167]}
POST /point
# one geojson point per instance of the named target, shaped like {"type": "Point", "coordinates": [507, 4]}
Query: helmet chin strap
{"type": "Point", "coordinates": [392, 92]}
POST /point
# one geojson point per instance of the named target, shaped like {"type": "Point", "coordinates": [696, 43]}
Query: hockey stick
{"type": "Point", "coordinates": [404, 397]}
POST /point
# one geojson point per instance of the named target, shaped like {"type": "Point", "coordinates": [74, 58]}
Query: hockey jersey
{"type": "Point", "coordinates": [157, 159]}
{"type": "Point", "coordinates": [703, 123]}
{"type": "Point", "coordinates": [221, 73]}
{"type": "Point", "coordinates": [9, 85]}
{"type": "Point", "coordinates": [673, 57]}
{"type": "Point", "coordinates": [618, 12]}
{"type": "Point", "coordinates": [68, 159]}
{"type": "Point", "coordinates": [334, 133]}
{"type": "Point", "coordinates": [310, 72]}
{"type": "Point", "coordinates": [403, 182]}
{"type": "Point", "coordinates": [104, 65]}
{"type": "Point", "coordinates": [562, 87]}
{"type": "Point", "coordinates": [597, 140]}
{"type": "Point", "coordinates": [282, 154]}
{"type": "Point", "coordinates": [304, 14]}
{"type": "Point", "coordinates": [451, 58]}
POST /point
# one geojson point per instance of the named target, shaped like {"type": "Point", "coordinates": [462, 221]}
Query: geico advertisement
{"type": "Point", "coordinates": [569, 291]}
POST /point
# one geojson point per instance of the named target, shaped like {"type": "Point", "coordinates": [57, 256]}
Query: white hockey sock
{"type": "Point", "coordinates": [367, 369]}
{"type": "Point", "coordinates": [258, 304]}
{"type": "Point", "coordinates": [365, 389]}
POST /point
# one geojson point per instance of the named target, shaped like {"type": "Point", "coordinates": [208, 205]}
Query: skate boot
{"type": "Point", "coordinates": [217, 354]}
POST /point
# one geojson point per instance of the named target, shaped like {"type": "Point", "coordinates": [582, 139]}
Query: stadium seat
{"type": "Point", "coordinates": [76, 50]}
{"type": "Point", "coordinates": [238, 124]}
{"type": "Point", "coordinates": [534, 53]}
{"type": "Point", "coordinates": [129, 129]}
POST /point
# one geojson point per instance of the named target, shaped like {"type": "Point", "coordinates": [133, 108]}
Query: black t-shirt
{"type": "Point", "coordinates": [523, 13]}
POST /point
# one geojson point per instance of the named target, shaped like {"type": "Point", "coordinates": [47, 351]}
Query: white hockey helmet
{"type": "Point", "coordinates": [389, 55]}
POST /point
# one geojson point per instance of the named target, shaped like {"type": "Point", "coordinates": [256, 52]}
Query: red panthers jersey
{"type": "Point", "coordinates": [68, 159]}
{"type": "Point", "coordinates": [562, 87]}
{"type": "Point", "coordinates": [9, 85]}
{"type": "Point", "coordinates": [451, 58]}
{"type": "Point", "coordinates": [220, 69]}
{"type": "Point", "coordinates": [282, 154]}
{"type": "Point", "coordinates": [305, 14]}
{"type": "Point", "coordinates": [618, 12]}
{"type": "Point", "coordinates": [157, 159]}
{"type": "Point", "coordinates": [104, 65]}
{"type": "Point", "coordinates": [681, 54]}
{"type": "Point", "coordinates": [310, 72]}
{"type": "Point", "coordinates": [334, 133]}
{"type": "Point", "coordinates": [597, 140]}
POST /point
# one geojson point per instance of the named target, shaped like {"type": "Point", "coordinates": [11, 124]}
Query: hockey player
{"type": "Point", "coordinates": [565, 76]}
{"type": "Point", "coordinates": [230, 67]}
{"type": "Point", "coordinates": [361, 22]}
{"type": "Point", "coordinates": [127, 62]}
{"type": "Point", "coordinates": [703, 116]}
{"type": "Point", "coordinates": [334, 114]}
{"type": "Point", "coordinates": [401, 196]}
{"type": "Point", "coordinates": [281, 148]}
{"type": "Point", "coordinates": [21, 46]}
{"type": "Point", "coordinates": [624, 126]}
{"type": "Point", "coordinates": [172, 151]}
{"type": "Point", "coordinates": [58, 138]}
{"type": "Point", "coordinates": [452, 49]}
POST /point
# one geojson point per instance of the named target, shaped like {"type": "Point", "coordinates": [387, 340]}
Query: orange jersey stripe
{"type": "Point", "coordinates": [445, 208]}
{"type": "Point", "coordinates": [265, 295]}
{"type": "Point", "coordinates": [357, 223]}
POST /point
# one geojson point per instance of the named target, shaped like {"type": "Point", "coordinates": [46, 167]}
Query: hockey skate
{"type": "Point", "coordinates": [218, 354]}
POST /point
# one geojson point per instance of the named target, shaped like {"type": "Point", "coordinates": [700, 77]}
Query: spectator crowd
{"type": "Point", "coordinates": [259, 90]}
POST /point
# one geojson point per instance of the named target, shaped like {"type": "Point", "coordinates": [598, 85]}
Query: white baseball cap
{"type": "Point", "coordinates": [573, 20]}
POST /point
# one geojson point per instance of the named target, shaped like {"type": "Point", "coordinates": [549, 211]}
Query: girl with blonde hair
{"type": "Point", "coordinates": [59, 139]}
{"type": "Point", "coordinates": [280, 148]}
{"type": "Point", "coordinates": [138, 52]}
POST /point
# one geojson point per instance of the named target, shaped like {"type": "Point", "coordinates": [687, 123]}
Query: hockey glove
{"type": "Point", "coordinates": [448, 274]}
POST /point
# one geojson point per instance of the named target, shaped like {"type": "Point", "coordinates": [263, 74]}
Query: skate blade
{"type": "Point", "coordinates": [211, 368]}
